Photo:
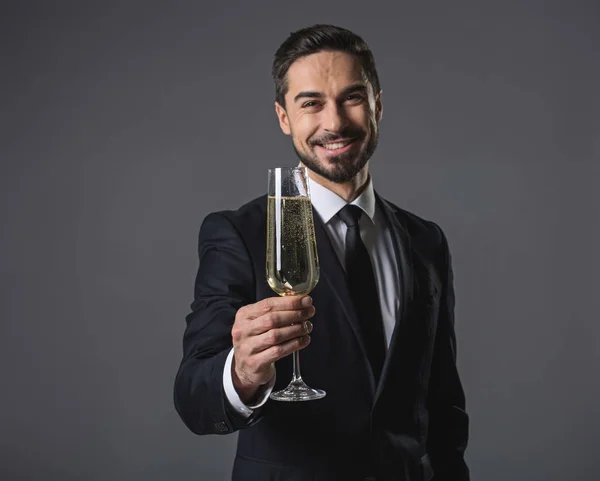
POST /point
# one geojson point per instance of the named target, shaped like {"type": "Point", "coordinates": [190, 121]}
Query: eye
{"type": "Point", "coordinates": [309, 104]}
{"type": "Point", "coordinates": [354, 98]}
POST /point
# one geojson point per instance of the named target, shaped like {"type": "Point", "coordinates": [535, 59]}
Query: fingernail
{"type": "Point", "coordinates": [305, 339]}
{"type": "Point", "coordinates": [306, 301]}
{"type": "Point", "coordinates": [307, 326]}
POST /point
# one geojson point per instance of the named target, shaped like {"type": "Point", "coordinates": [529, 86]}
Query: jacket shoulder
{"type": "Point", "coordinates": [424, 232]}
{"type": "Point", "coordinates": [250, 213]}
{"type": "Point", "coordinates": [249, 220]}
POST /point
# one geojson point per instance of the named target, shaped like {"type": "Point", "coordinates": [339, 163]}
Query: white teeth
{"type": "Point", "coordinates": [337, 145]}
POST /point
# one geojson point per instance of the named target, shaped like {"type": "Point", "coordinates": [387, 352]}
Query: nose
{"type": "Point", "coordinates": [334, 118]}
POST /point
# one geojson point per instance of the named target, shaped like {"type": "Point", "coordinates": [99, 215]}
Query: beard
{"type": "Point", "coordinates": [345, 166]}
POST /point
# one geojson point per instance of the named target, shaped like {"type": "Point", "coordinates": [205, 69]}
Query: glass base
{"type": "Point", "coordinates": [298, 391]}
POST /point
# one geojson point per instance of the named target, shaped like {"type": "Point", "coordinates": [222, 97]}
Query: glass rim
{"type": "Point", "coordinates": [288, 169]}
{"type": "Point", "coordinates": [289, 175]}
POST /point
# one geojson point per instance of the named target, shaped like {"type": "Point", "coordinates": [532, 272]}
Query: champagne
{"type": "Point", "coordinates": [292, 261]}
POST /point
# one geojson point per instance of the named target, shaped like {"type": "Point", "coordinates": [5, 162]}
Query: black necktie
{"type": "Point", "coordinates": [363, 289]}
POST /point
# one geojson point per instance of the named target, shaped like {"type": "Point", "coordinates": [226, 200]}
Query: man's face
{"type": "Point", "coordinates": [332, 114]}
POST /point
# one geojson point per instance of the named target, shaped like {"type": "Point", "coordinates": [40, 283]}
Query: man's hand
{"type": "Point", "coordinates": [263, 333]}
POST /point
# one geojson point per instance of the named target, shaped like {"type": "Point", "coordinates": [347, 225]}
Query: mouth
{"type": "Point", "coordinates": [336, 148]}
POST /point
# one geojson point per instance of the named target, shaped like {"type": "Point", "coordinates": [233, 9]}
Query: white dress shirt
{"type": "Point", "coordinates": [376, 236]}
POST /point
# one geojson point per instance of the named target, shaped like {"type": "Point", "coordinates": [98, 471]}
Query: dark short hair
{"type": "Point", "coordinates": [315, 39]}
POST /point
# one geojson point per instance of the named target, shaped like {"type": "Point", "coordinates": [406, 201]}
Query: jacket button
{"type": "Point", "coordinates": [221, 427]}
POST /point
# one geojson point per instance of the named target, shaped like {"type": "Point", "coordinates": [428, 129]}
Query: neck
{"type": "Point", "coordinates": [348, 190]}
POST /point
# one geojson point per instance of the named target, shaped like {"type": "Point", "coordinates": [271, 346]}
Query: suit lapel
{"type": "Point", "coordinates": [415, 279]}
{"type": "Point", "coordinates": [406, 267]}
{"type": "Point", "coordinates": [332, 272]}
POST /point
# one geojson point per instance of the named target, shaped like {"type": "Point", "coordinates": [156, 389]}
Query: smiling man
{"type": "Point", "coordinates": [377, 331]}
{"type": "Point", "coordinates": [332, 110]}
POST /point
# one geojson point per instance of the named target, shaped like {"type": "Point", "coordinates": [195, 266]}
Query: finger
{"type": "Point", "coordinates": [274, 353]}
{"type": "Point", "coordinates": [278, 336]}
{"type": "Point", "coordinates": [272, 304]}
{"type": "Point", "coordinates": [278, 319]}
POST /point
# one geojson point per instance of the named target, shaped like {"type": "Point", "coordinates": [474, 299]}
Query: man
{"type": "Point", "coordinates": [377, 332]}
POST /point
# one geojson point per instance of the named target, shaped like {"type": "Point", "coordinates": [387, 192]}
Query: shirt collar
{"type": "Point", "coordinates": [328, 204]}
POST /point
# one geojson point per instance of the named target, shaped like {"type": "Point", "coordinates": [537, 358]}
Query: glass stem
{"type": "Point", "coordinates": [297, 376]}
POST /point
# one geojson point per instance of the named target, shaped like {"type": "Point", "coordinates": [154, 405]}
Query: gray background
{"type": "Point", "coordinates": [124, 123]}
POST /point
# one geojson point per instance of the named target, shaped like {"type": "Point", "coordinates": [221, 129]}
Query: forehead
{"type": "Point", "coordinates": [324, 72]}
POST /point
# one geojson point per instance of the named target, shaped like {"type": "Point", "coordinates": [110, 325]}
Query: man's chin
{"type": "Point", "coordinates": [334, 170]}
{"type": "Point", "coordinates": [338, 169]}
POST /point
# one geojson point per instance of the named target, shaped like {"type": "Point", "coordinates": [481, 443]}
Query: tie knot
{"type": "Point", "coordinates": [350, 215]}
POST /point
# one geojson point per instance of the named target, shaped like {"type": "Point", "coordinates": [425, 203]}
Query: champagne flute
{"type": "Point", "coordinates": [292, 261]}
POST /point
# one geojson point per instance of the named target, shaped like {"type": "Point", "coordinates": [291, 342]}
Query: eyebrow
{"type": "Point", "coordinates": [310, 94]}
{"type": "Point", "coordinates": [353, 88]}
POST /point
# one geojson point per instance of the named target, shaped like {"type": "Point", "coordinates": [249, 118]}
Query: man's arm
{"type": "Point", "coordinates": [448, 420]}
{"type": "Point", "coordinates": [215, 386]}
{"type": "Point", "coordinates": [224, 283]}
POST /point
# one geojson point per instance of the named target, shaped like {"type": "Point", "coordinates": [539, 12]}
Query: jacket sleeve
{"type": "Point", "coordinates": [224, 283]}
{"type": "Point", "coordinates": [448, 420]}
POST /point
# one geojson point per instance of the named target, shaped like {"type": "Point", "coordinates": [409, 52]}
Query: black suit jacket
{"type": "Point", "coordinates": [411, 427]}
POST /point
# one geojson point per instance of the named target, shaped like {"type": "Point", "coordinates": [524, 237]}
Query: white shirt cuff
{"type": "Point", "coordinates": [232, 395]}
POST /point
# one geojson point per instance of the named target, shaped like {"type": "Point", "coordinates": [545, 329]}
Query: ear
{"type": "Point", "coordinates": [284, 121]}
{"type": "Point", "coordinates": [378, 107]}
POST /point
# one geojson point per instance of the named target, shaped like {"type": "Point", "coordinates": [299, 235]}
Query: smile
{"type": "Point", "coordinates": [337, 148]}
